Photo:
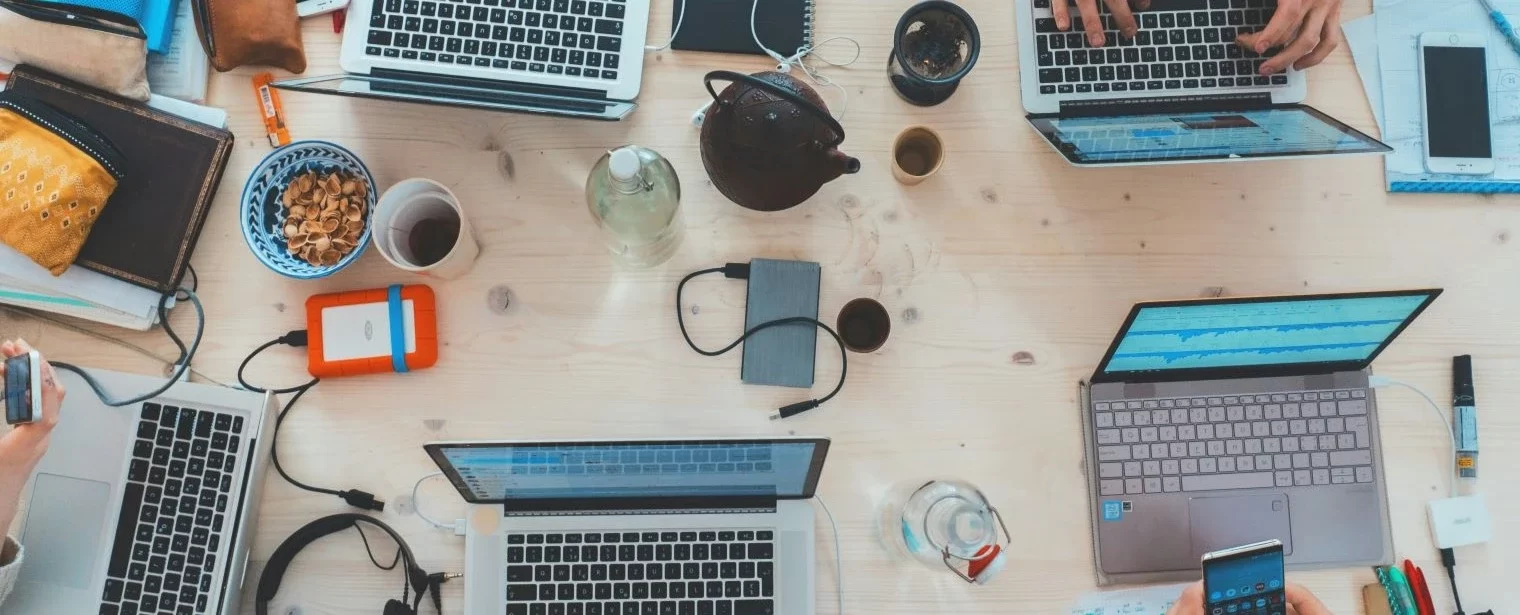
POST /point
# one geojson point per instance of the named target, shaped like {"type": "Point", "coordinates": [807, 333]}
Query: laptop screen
{"type": "Point", "coordinates": [500, 472]}
{"type": "Point", "coordinates": [1227, 334]}
{"type": "Point", "coordinates": [1292, 130]}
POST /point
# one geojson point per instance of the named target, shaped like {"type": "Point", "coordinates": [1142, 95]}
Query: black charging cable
{"type": "Point", "coordinates": [740, 271]}
{"type": "Point", "coordinates": [182, 363]}
{"type": "Point", "coordinates": [298, 339]}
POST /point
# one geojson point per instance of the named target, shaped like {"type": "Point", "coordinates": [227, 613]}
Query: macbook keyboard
{"type": "Point", "coordinates": [576, 38]}
{"type": "Point", "coordinates": [729, 572]}
{"type": "Point", "coordinates": [174, 511]}
{"type": "Point", "coordinates": [1182, 44]}
{"type": "Point", "coordinates": [1233, 442]}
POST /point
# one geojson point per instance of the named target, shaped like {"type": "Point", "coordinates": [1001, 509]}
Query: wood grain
{"type": "Point", "coordinates": [1006, 275]}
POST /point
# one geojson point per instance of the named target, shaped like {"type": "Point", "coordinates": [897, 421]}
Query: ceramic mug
{"type": "Point", "coordinates": [917, 153]}
{"type": "Point", "coordinates": [420, 227]}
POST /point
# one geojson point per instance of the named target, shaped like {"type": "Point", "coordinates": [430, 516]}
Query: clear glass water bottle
{"type": "Point", "coordinates": [635, 196]}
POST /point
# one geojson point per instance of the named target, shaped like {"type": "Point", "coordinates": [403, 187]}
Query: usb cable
{"type": "Point", "coordinates": [740, 271]}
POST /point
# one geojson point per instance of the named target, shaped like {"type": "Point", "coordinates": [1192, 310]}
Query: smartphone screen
{"type": "Point", "coordinates": [18, 389]}
{"type": "Point", "coordinates": [1456, 102]}
{"type": "Point", "coordinates": [1245, 583]}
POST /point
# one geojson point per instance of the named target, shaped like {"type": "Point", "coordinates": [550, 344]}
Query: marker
{"type": "Point", "coordinates": [1464, 416]}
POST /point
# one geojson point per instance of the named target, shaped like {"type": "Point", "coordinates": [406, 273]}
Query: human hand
{"type": "Point", "coordinates": [23, 446]}
{"type": "Point", "coordinates": [1306, 30]}
{"type": "Point", "coordinates": [1124, 17]}
{"type": "Point", "coordinates": [1300, 601]}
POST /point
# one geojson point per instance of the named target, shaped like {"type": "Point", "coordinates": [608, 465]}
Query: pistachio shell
{"type": "Point", "coordinates": [290, 230]}
{"type": "Point", "coordinates": [328, 226]}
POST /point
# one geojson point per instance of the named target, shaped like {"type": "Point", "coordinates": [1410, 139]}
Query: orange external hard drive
{"type": "Point", "coordinates": [391, 329]}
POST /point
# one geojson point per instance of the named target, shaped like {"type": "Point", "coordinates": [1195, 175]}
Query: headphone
{"type": "Point", "coordinates": [417, 579]}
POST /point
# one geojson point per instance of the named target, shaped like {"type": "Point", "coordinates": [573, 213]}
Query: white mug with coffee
{"type": "Point", "coordinates": [420, 227]}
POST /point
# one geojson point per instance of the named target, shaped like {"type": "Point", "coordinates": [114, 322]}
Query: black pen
{"type": "Point", "coordinates": [1464, 409]}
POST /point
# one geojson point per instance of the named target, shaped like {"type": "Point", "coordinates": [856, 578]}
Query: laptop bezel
{"type": "Point", "coordinates": [1254, 371]}
{"type": "Point", "coordinates": [810, 484]}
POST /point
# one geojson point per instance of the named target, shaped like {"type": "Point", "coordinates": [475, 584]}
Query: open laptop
{"type": "Point", "coordinates": [572, 58]}
{"type": "Point", "coordinates": [1220, 422]}
{"type": "Point", "coordinates": [1180, 91]}
{"type": "Point", "coordinates": [147, 508]}
{"type": "Point", "coordinates": [620, 527]}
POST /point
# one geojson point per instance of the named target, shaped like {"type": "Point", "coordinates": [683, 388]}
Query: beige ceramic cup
{"type": "Point", "coordinates": [917, 153]}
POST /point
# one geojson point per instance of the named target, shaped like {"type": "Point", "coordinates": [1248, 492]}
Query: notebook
{"type": "Point", "coordinates": [155, 16]}
{"type": "Point", "coordinates": [150, 225]}
{"type": "Point", "coordinates": [723, 25]}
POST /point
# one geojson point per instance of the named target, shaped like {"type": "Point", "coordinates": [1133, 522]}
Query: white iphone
{"type": "Point", "coordinates": [307, 8]}
{"type": "Point", "coordinates": [1454, 88]}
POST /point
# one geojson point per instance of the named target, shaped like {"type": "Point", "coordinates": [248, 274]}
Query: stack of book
{"type": "Point", "coordinates": [139, 250]}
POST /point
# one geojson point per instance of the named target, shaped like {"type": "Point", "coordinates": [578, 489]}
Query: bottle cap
{"type": "Point", "coordinates": [624, 164]}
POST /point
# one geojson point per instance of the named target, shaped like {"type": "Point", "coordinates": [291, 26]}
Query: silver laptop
{"type": "Point", "coordinates": [627, 527]}
{"type": "Point", "coordinates": [1221, 422]}
{"type": "Point", "coordinates": [145, 508]}
{"type": "Point", "coordinates": [572, 58]}
{"type": "Point", "coordinates": [1182, 90]}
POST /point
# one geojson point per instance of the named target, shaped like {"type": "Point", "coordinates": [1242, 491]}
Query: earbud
{"type": "Point", "coordinates": [700, 116]}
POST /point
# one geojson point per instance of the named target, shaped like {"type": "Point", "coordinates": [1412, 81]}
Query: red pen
{"type": "Point", "coordinates": [1420, 589]}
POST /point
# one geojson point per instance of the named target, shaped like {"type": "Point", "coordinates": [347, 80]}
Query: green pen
{"type": "Point", "coordinates": [1396, 584]}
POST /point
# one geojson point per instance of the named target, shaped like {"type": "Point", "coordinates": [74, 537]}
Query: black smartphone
{"type": "Point", "coordinates": [1245, 580]}
{"type": "Point", "coordinates": [23, 388]}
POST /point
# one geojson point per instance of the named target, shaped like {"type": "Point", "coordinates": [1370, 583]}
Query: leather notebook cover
{"type": "Point", "coordinates": [173, 166]}
{"type": "Point", "coordinates": [723, 25]}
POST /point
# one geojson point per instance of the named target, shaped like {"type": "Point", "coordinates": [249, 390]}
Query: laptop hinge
{"type": "Point", "coordinates": [639, 506]}
{"type": "Point", "coordinates": [512, 87]}
{"type": "Point", "coordinates": [1246, 101]}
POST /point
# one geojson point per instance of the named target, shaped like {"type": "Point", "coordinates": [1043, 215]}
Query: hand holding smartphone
{"type": "Point", "coordinates": [1454, 87]}
{"type": "Point", "coordinates": [23, 388]}
{"type": "Point", "coordinates": [1247, 580]}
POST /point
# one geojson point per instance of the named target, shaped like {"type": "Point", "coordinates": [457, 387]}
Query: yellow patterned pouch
{"type": "Point", "coordinates": [55, 177]}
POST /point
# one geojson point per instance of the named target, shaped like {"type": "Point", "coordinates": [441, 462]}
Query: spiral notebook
{"type": "Point", "coordinates": [723, 25]}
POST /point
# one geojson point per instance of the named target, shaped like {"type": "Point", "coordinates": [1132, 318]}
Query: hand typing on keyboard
{"type": "Point", "coordinates": [1301, 601]}
{"type": "Point", "coordinates": [1123, 17]}
{"type": "Point", "coordinates": [23, 446]}
{"type": "Point", "coordinates": [1306, 31]}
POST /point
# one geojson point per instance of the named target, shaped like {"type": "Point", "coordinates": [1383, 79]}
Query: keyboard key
{"type": "Point", "coordinates": [1214, 482]}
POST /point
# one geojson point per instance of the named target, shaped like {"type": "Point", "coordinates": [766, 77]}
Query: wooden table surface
{"type": "Point", "coordinates": [1006, 276]}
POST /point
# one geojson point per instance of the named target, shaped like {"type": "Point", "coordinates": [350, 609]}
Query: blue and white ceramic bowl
{"type": "Point", "coordinates": [263, 212]}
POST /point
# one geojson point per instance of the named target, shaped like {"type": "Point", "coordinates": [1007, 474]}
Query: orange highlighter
{"type": "Point", "coordinates": [392, 329]}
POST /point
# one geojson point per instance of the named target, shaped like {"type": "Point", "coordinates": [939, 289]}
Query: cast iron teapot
{"type": "Point", "coordinates": [768, 141]}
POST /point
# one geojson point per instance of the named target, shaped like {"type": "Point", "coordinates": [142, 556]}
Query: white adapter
{"type": "Point", "coordinates": [1458, 522]}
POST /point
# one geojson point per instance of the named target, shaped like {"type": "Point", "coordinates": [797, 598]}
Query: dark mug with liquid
{"type": "Point", "coordinates": [935, 46]}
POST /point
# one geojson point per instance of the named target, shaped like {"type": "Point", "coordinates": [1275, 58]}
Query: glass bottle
{"type": "Point", "coordinates": [635, 197]}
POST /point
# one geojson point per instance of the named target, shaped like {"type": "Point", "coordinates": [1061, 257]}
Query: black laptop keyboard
{"type": "Point", "coordinates": [1182, 44]}
{"type": "Point", "coordinates": [729, 572]}
{"type": "Point", "coordinates": [174, 512]}
{"type": "Point", "coordinates": [576, 38]}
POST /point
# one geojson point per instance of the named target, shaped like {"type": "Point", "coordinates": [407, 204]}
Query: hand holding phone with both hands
{"type": "Point", "coordinates": [1300, 601]}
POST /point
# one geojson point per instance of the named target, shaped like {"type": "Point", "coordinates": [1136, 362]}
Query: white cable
{"type": "Point", "coordinates": [680, 17]}
{"type": "Point", "coordinates": [417, 506]}
{"type": "Point", "coordinates": [838, 558]}
{"type": "Point", "coordinates": [1381, 381]}
{"type": "Point", "coordinates": [785, 63]}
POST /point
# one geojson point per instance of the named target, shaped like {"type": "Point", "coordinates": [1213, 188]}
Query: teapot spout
{"type": "Point", "coordinates": [842, 163]}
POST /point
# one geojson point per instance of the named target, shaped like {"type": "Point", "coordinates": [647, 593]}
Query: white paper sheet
{"type": "Point", "coordinates": [1153, 600]}
{"type": "Point", "coordinates": [183, 71]}
{"type": "Point", "coordinates": [1399, 25]}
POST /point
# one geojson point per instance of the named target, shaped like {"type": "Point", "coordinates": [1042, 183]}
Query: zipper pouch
{"type": "Point", "coordinates": [98, 48]}
{"type": "Point", "coordinates": [250, 32]}
{"type": "Point", "coordinates": [56, 175]}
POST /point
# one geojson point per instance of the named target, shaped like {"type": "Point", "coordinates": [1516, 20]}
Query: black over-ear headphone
{"type": "Point", "coordinates": [417, 579]}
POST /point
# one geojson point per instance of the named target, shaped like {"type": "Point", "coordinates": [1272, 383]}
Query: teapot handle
{"type": "Point", "coordinates": [790, 96]}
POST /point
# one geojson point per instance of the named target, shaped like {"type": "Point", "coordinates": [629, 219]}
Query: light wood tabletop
{"type": "Point", "coordinates": [1006, 276]}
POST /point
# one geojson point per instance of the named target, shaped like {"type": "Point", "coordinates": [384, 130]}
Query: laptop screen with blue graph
{"type": "Point", "coordinates": [1292, 130]}
{"type": "Point", "coordinates": [1274, 331]}
{"type": "Point", "coordinates": [598, 470]}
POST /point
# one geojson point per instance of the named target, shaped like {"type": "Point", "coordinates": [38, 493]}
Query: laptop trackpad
{"type": "Point", "coordinates": [63, 526]}
{"type": "Point", "coordinates": [1221, 522]}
